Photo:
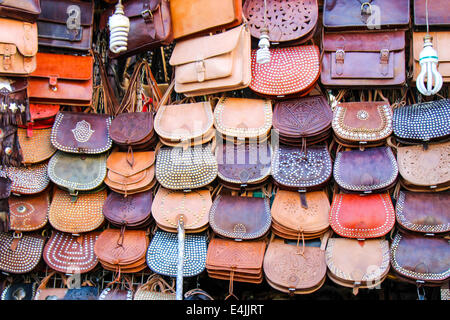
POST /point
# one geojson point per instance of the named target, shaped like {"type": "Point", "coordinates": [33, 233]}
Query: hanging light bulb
{"type": "Point", "coordinates": [428, 60]}
{"type": "Point", "coordinates": [119, 26]}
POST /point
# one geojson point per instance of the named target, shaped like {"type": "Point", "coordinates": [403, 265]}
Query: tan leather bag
{"type": "Point", "coordinates": [36, 148]}
{"type": "Point", "coordinates": [441, 43]}
{"type": "Point", "coordinates": [213, 63]}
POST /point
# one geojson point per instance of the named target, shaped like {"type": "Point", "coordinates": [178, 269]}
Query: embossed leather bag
{"type": "Point", "coordinates": [303, 121]}
{"type": "Point", "coordinates": [292, 71]}
{"type": "Point", "coordinates": [122, 250]}
{"type": "Point", "coordinates": [436, 15]}
{"type": "Point", "coordinates": [357, 265]}
{"type": "Point", "coordinates": [423, 213]}
{"type": "Point", "coordinates": [193, 207]}
{"type": "Point", "coordinates": [25, 10]}
{"type": "Point", "coordinates": [422, 122]}
{"type": "Point", "coordinates": [213, 63]}
{"type": "Point", "coordinates": [243, 119]}
{"type": "Point", "coordinates": [156, 288]}
{"type": "Point", "coordinates": [77, 172]}
{"type": "Point", "coordinates": [15, 108]}
{"type": "Point", "coordinates": [380, 57]}
{"type": "Point", "coordinates": [70, 254]}
{"type": "Point", "coordinates": [421, 260]}
{"type": "Point", "coordinates": [286, 21]}
{"type": "Point", "coordinates": [36, 148]}
{"type": "Point", "coordinates": [294, 218]}
{"type": "Point", "coordinates": [301, 170]}
{"type": "Point", "coordinates": [18, 47]}
{"type": "Point", "coordinates": [66, 24]}
{"type": "Point", "coordinates": [179, 169]}
{"type": "Point", "coordinates": [83, 215]}
{"type": "Point", "coordinates": [362, 217]}
{"type": "Point", "coordinates": [133, 129]}
{"type": "Point", "coordinates": [244, 166]}
{"type": "Point", "coordinates": [441, 41]}
{"type": "Point", "coordinates": [367, 171]}
{"type": "Point", "coordinates": [240, 218]}
{"type": "Point", "coordinates": [200, 17]}
{"type": "Point", "coordinates": [27, 180]}
{"type": "Point", "coordinates": [351, 14]}
{"type": "Point", "coordinates": [20, 255]}
{"type": "Point", "coordinates": [132, 211]}
{"type": "Point", "coordinates": [28, 213]}
{"type": "Point", "coordinates": [62, 79]}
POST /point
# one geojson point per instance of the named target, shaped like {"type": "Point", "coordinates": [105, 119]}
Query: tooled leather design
{"type": "Point", "coordinates": [129, 128]}
{"type": "Point", "coordinates": [128, 210]}
{"type": "Point", "coordinates": [286, 20]}
{"type": "Point", "coordinates": [229, 254]}
{"type": "Point", "coordinates": [27, 213]}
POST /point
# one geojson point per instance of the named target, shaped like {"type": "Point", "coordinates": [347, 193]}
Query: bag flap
{"type": "Point", "coordinates": [364, 41]}
{"type": "Point", "coordinates": [25, 257]}
{"type": "Point", "coordinates": [65, 11]}
{"type": "Point", "coordinates": [119, 162]}
{"type": "Point", "coordinates": [32, 6]}
{"type": "Point", "coordinates": [64, 67]}
{"type": "Point", "coordinates": [21, 34]}
{"type": "Point", "coordinates": [135, 8]}
{"type": "Point", "coordinates": [27, 180]}
{"type": "Point", "coordinates": [437, 15]}
{"type": "Point", "coordinates": [28, 213]}
{"type": "Point", "coordinates": [43, 111]}
{"type": "Point", "coordinates": [441, 43]}
{"type": "Point", "coordinates": [132, 127]}
{"type": "Point", "coordinates": [132, 209]}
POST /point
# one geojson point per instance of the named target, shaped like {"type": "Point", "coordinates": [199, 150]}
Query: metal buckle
{"type": "Point", "coordinates": [384, 56]}
{"type": "Point", "coordinates": [17, 235]}
{"type": "Point", "coordinates": [147, 14]}
{"type": "Point", "coordinates": [340, 55]}
{"type": "Point", "coordinates": [366, 8]}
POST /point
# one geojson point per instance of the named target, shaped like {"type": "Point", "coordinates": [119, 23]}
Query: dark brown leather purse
{"type": "Point", "coordinates": [24, 10]}
{"type": "Point", "coordinates": [10, 153]}
{"type": "Point", "coordinates": [437, 15]}
{"type": "Point", "coordinates": [14, 103]}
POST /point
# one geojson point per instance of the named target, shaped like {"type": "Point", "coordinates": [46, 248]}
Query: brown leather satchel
{"type": "Point", "coordinates": [62, 79]}
{"type": "Point", "coordinates": [18, 47]}
{"type": "Point", "coordinates": [15, 108]}
{"type": "Point", "coordinates": [66, 24]}
{"type": "Point", "coordinates": [199, 17]}
{"type": "Point", "coordinates": [36, 148]}
{"type": "Point", "coordinates": [437, 15]}
{"type": "Point", "coordinates": [28, 213]}
{"type": "Point", "coordinates": [27, 180]}
{"type": "Point", "coordinates": [24, 10]}
{"type": "Point", "coordinates": [379, 55]}
{"type": "Point", "coordinates": [150, 25]}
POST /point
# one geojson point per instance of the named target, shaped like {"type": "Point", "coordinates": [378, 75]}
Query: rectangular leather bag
{"type": "Point", "coordinates": [363, 59]}
{"type": "Point", "coordinates": [441, 43]}
{"type": "Point", "coordinates": [196, 17]}
{"type": "Point", "coordinates": [66, 24]}
{"type": "Point", "coordinates": [366, 14]}
{"type": "Point", "coordinates": [438, 13]}
{"type": "Point", "coordinates": [23, 10]}
{"type": "Point", "coordinates": [62, 79]}
{"type": "Point", "coordinates": [212, 64]}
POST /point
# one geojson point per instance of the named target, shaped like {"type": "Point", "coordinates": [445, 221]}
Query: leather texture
{"type": "Point", "coordinates": [200, 17]}
{"type": "Point", "coordinates": [212, 64]}
{"type": "Point", "coordinates": [10, 151]}
{"type": "Point", "coordinates": [66, 24]}
{"type": "Point", "coordinates": [27, 180]}
{"type": "Point", "coordinates": [18, 47]}
{"type": "Point", "coordinates": [132, 129]}
{"type": "Point", "coordinates": [19, 291]}
{"type": "Point", "coordinates": [14, 100]}
{"type": "Point", "coordinates": [436, 15]}
{"type": "Point", "coordinates": [379, 55]}
{"type": "Point", "coordinates": [28, 213]}
{"type": "Point", "coordinates": [42, 117]}
{"type": "Point", "coordinates": [37, 148]}
{"type": "Point", "coordinates": [23, 10]}
{"type": "Point", "coordinates": [62, 79]}
{"type": "Point", "coordinates": [441, 41]}
{"type": "Point", "coordinates": [19, 256]}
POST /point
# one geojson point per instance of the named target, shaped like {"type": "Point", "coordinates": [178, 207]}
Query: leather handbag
{"type": "Point", "coordinates": [19, 291]}
{"type": "Point", "coordinates": [70, 254]}
{"type": "Point", "coordinates": [129, 175]}
{"type": "Point", "coordinates": [18, 47]}
{"type": "Point", "coordinates": [293, 21]}
{"type": "Point", "coordinates": [42, 117]}
{"type": "Point", "coordinates": [303, 121]}
{"type": "Point", "coordinates": [77, 172]}
{"type": "Point", "coordinates": [117, 291]}
{"type": "Point", "coordinates": [200, 17]}
{"type": "Point", "coordinates": [27, 10]}
{"type": "Point", "coordinates": [38, 147]}
{"type": "Point", "coordinates": [66, 24]}
{"type": "Point", "coordinates": [133, 129]}
{"type": "Point", "coordinates": [156, 288]}
{"type": "Point", "coordinates": [441, 41]}
{"type": "Point", "coordinates": [436, 15]}
{"type": "Point", "coordinates": [292, 71]}
{"type": "Point", "coordinates": [27, 180]}
{"type": "Point", "coordinates": [15, 109]}
{"type": "Point", "coordinates": [150, 25]}
{"type": "Point", "coordinates": [301, 170]}
{"type": "Point", "coordinates": [243, 119]}
{"type": "Point", "coordinates": [11, 154]}
{"type": "Point", "coordinates": [20, 255]}
{"type": "Point", "coordinates": [62, 79]}
{"type": "Point", "coordinates": [290, 270]}
{"type": "Point", "coordinates": [240, 218]}
{"type": "Point", "coordinates": [345, 14]}
{"type": "Point", "coordinates": [424, 261]}
{"type": "Point", "coordinates": [162, 254]}
{"type": "Point", "coordinates": [122, 250]}
{"type": "Point", "coordinates": [85, 292]}
{"type": "Point", "coordinates": [28, 213]}
{"type": "Point", "coordinates": [363, 124]}
{"type": "Point", "coordinates": [423, 213]}
{"type": "Point", "coordinates": [212, 64]}
{"type": "Point", "coordinates": [371, 170]}
{"type": "Point", "coordinates": [357, 265]}
{"type": "Point", "coordinates": [379, 55]}
{"type": "Point", "coordinates": [75, 217]}
{"type": "Point", "coordinates": [132, 211]}
{"type": "Point", "coordinates": [244, 166]}
{"type": "Point", "coordinates": [169, 207]}
{"type": "Point", "coordinates": [179, 169]}
{"type": "Point", "coordinates": [422, 122]}
{"type": "Point", "coordinates": [294, 218]}
{"type": "Point", "coordinates": [362, 217]}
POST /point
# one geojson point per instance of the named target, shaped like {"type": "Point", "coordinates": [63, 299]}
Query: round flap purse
{"type": "Point", "coordinates": [133, 129]}
{"type": "Point", "coordinates": [27, 180]}
{"type": "Point", "coordinates": [28, 213]}
{"type": "Point", "coordinates": [36, 148]}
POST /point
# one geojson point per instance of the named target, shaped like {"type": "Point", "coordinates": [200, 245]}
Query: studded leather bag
{"type": "Point", "coordinates": [293, 219]}
{"type": "Point", "coordinates": [27, 180]}
{"type": "Point", "coordinates": [362, 217]}
{"type": "Point", "coordinates": [423, 213]}
{"type": "Point", "coordinates": [156, 288]}
{"type": "Point", "coordinates": [436, 16]}
{"type": "Point", "coordinates": [66, 24]}
{"type": "Point", "coordinates": [27, 10]}
{"type": "Point", "coordinates": [19, 291]}
{"type": "Point", "coordinates": [118, 291]}
{"type": "Point", "coordinates": [357, 265]}
{"type": "Point", "coordinates": [28, 212]}
{"type": "Point", "coordinates": [15, 109]}
{"type": "Point", "coordinates": [38, 147]}
{"type": "Point", "coordinates": [70, 254]}
{"type": "Point", "coordinates": [422, 122]}
{"type": "Point", "coordinates": [19, 255]}
{"type": "Point", "coordinates": [371, 170]}
{"type": "Point", "coordinates": [292, 71]}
